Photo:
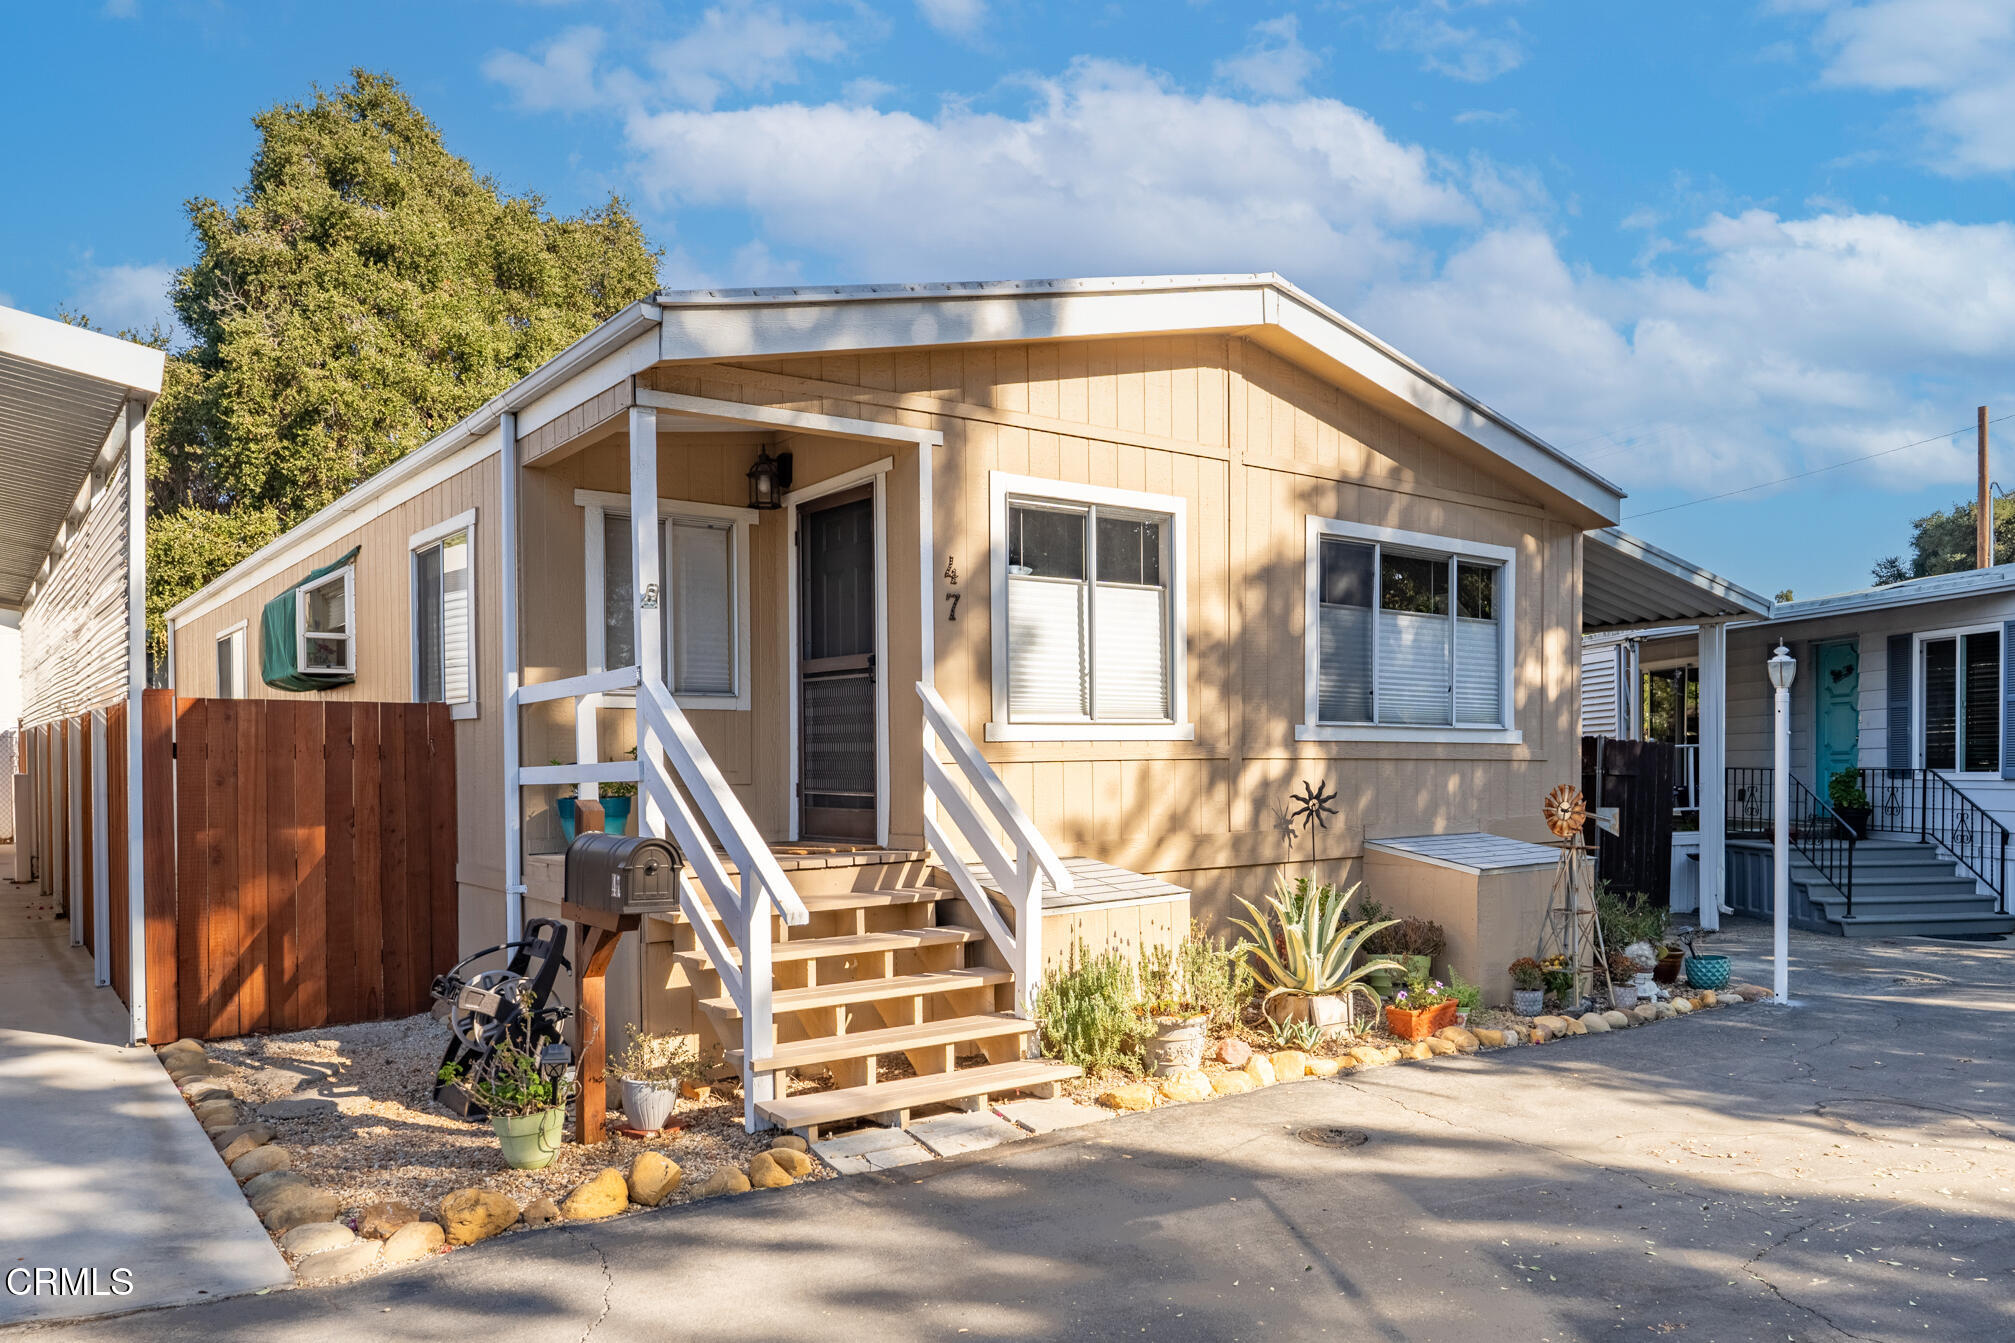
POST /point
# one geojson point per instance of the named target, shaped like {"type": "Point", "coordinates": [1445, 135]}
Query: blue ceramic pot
{"type": "Point", "coordinates": [616, 815]}
{"type": "Point", "coordinates": [1708, 972]}
{"type": "Point", "coordinates": [567, 818]}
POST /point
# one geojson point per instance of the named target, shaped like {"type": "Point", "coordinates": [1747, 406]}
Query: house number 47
{"type": "Point", "coordinates": [952, 580]}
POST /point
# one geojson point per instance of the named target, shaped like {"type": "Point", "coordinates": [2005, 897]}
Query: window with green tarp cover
{"type": "Point", "coordinates": [327, 643]}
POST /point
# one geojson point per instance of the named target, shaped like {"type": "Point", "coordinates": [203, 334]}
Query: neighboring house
{"type": "Point", "coordinates": [1111, 569]}
{"type": "Point", "coordinates": [1906, 683]}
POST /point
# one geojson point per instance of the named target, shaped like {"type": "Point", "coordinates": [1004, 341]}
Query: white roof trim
{"type": "Point", "coordinates": [766, 323]}
{"type": "Point", "coordinates": [90, 354]}
{"type": "Point", "coordinates": [1910, 592]}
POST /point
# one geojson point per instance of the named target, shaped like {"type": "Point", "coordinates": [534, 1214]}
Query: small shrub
{"type": "Point", "coordinates": [1290, 1034]}
{"type": "Point", "coordinates": [1628, 916]}
{"type": "Point", "coordinates": [1468, 997]}
{"type": "Point", "coordinates": [1088, 1012]}
{"type": "Point", "coordinates": [661, 1059]}
{"type": "Point", "coordinates": [1219, 979]}
{"type": "Point", "coordinates": [1527, 973]}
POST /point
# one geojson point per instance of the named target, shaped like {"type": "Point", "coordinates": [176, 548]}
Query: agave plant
{"type": "Point", "coordinates": [1311, 952]}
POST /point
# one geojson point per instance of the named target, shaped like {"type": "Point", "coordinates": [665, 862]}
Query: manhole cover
{"type": "Point", "coordinates": [1333, 1137]}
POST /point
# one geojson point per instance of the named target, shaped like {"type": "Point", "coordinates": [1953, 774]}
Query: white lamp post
{"type": "Point", "coordinates": [1783, 670]}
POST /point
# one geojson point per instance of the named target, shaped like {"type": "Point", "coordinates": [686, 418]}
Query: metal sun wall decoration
{"type": "Point", "coordinates": [1313, 805]}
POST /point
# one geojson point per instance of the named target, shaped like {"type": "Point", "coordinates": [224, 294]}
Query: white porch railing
{"type": "Point", "coordinates": [1020, 879]}
{"type": "Point", "coordinates": [743, 913]}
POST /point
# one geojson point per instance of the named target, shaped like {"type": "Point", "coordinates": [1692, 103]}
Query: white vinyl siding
{"type": "Point", "coordinates": [444, 604]}
{"type": "Point", "coordinates": [1407, 636]}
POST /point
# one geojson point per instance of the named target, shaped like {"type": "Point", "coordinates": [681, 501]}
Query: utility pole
{"type": "Point", "coordinates": [1983, 522]}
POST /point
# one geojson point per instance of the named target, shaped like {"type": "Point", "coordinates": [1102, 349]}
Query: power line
{"type": "Point", "coordinates": [1817, 470]}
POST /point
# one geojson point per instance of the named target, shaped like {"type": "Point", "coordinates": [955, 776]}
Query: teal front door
{"type": "Point", "coordinates": [1836, 743]}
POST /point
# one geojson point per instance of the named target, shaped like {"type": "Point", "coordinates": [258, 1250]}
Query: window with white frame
{"type": "Point", "coordinates": [1407, 631]}
{"type": "Point", "coordinates": [325, 622]}
{"type": "Point", "coordinates": [1090, 585]}
{"type": "Point", "coordinates": [231, 662]}
{"type": "Point", "coordinates": [444, 615]}
{"type": "Point", "coordinates": [1962, 701]}
{"type": "Point", "coordinates": [704, 554]}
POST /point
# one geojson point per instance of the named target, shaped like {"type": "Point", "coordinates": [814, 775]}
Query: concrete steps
{"type": "Point", "coordinates": [1902, 888]}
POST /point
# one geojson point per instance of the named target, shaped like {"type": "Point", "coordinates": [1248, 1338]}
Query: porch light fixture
{"type": "Point", "coordinates": [768, 479]}
{"type": "Point", "coordinates": [1783, 668]}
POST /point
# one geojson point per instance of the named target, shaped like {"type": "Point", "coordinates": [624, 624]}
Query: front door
{"type": "Point", "coordinates": [1836, 743]}
{"type": "Point", "coordinates": [836, 667]}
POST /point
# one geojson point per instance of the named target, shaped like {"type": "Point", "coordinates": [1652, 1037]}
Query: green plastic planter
{"type": "Point", "coordinates": [1708, 972]}
{"type": "Point", "coordinates": [530, 1142]}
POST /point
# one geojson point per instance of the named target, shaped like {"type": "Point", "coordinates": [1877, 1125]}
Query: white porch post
{"type": "Point", "coordinates": [1713, 771]}
{"type": "Point", "coordinates": [73, 777]}
{"type": "Point", "coordinates": [508, 655]}
{"type": "Point", "coordinates": [646, 596]}
{"type": "Point", "coordinates": [136, 686]}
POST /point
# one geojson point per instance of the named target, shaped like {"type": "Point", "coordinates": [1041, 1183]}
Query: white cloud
{"type": "Point", "coordinates": [1110, 169]}
{"type": "Point", "coordinates": [1451, 39]}
{"type": "Point", "coordinates": [123, 297]}
{"type": "Point", "coordinates": [738, 47]}
{"type": "Point", "coordinates": [954, 18]}
{"type": "Point", "coordinates": [1955, 58]}
{"type": "Point", "coordinates": [1274, 63]}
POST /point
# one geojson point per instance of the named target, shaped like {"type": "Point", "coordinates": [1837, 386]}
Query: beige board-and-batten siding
{"type": "Point", "coordinates": [1255, 446]}
{"type": "Point", "coordinates": [384, 649]}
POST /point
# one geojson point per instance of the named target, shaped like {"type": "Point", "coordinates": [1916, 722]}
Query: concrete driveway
{"type": "Point", "coordinates": [102, 1165]}
{"type": "Point", "coordinates": [1837, 1170]}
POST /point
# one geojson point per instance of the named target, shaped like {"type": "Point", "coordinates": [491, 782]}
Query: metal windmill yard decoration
{"type": "Point", "coordinates": [1572, 929]}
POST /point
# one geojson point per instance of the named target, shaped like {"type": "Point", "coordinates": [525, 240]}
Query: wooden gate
{"type": "Point", "coordinates": [300, 862]}
{"type": "Point", "coordinates": [1638, 778]}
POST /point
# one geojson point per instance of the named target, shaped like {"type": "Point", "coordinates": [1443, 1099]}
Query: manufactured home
{"type": "Point", "coordinates": [944, 625]}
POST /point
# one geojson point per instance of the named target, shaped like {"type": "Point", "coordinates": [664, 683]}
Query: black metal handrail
{"type": "Point", "coordinates": [1925, 803]}
{"type": "Point", "coordinates": [1818, 832]}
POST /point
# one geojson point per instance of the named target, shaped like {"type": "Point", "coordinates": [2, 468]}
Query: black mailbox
{"type": "Point", "coordinates": [623, 874]}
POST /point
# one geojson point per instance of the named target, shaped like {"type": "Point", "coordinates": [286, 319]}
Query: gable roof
{"type": "Point", "coordinates": [717, 324]}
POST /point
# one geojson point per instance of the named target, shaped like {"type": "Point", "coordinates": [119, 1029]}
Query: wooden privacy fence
{"type": "Point", "coordinates": [300, 860]}
{"type": "Point", "coordinates": [1639, 779]}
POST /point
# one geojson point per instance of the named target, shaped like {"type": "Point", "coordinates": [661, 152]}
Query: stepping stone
{"type": "Point", "coordinates": [1047, 1116]}
{"type": "Point", "coordinates": [871, 1149]}
{"type": "Point", "coordinates": [298, 1107]}
{"type": "Point", "coordinates": [975, 1131]}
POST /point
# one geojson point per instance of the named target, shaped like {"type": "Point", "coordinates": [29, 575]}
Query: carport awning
{"type": "Point", "coordinates": [1627, 583]}
{"type": "Point", "coordinates": [63, 393]}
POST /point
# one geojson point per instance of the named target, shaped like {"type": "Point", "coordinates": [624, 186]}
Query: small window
{"type": "Point", "coordinates": [325, 616]}
{"type": "Point", "coordinates": [444, 644]}
{"type": "Point", "coordinates": [231, 663]}
{"type": "Point", "coordinates": [704, 640]}
{"type": "Point", "coordinates": [1962, 702]}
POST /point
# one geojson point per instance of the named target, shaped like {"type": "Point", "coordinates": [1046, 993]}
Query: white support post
{"type": "Point", "coordinates": [101, 852]}
{"type": "Point", "coordinates": [1713, 767]}
{"type": "Point", "coordinates": [647, 597]}
{"type": "Point", "coordinates": [136, 686]}
{"type": "Point", "coordinates": [1780, 895]}
{"type": "Point", "coordinates": [74, 778]}
{"type": "Point", "coordinates": [759, 1032]}
{"type": "Point", "coordinates": [508, 655]}
{"type": "Point", "coordinates": [1028, 937]}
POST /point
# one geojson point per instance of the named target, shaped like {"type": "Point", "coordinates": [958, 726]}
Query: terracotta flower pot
{"type": "Point", "coordinates": [1409, 1024]}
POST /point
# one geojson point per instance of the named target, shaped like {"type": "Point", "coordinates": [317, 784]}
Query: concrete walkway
{"type": "Point", "coordinates": [1838, 1170]}
{"type": "Point", "coordinates": [102, 1165]}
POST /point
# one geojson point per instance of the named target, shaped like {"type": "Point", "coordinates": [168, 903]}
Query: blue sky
{"type": "Point", "coordinates": [1702, 246]}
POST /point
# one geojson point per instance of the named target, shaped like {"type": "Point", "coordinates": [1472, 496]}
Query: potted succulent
{"type": "Point", "coordinates": [1850, 804]}
{"type": "Point", "coordinates": [1302, 951]}
{"type": "Point", "coordinates": [654, 1071]}
{"type": "Point", "coordinates": [1175, 1038]}
{"type": "Point", "coordinates": [1622, 981]}
{"type": "Point", "coordinates": [1420, 1009]}
{"type": "Point", "coordinates": [616, 804]}
{"type": "Point", "coordinates": [526, 1102]}
{"type": "Point", "coordinates": [1528, 987]}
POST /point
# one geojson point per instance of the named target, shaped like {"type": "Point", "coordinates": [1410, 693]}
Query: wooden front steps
{"type": "Point", "coordinates": [859, 944]}
{"type": "Point", "coordinates": [891, 1102]}
{"type": "Point", "coordinates": [890, 1040]}
{"type": "Point", "coordinates": [847, 992]}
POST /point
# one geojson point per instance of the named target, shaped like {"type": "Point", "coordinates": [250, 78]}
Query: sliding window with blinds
{"type": "Point", "coordinates": [1405, 636]}
{"type": "Point", "coordinates": [702, 617]}
{"type": "Point", "coordinates": [444, 642]}
{"type": "Point", "coordinates": [1088, 613]}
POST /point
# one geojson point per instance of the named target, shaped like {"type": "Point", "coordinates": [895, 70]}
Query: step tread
{"type": "Point", "coordinates": [830, 1107]}
{"type": "Point", "coordinates": [889, 1040]}
{"type": "Point", "coordinates": [1988, 916]}
{"type": "Point", "coordinates": [868, 990]}
{"type": "Point", "coordinates": [854, 944]}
